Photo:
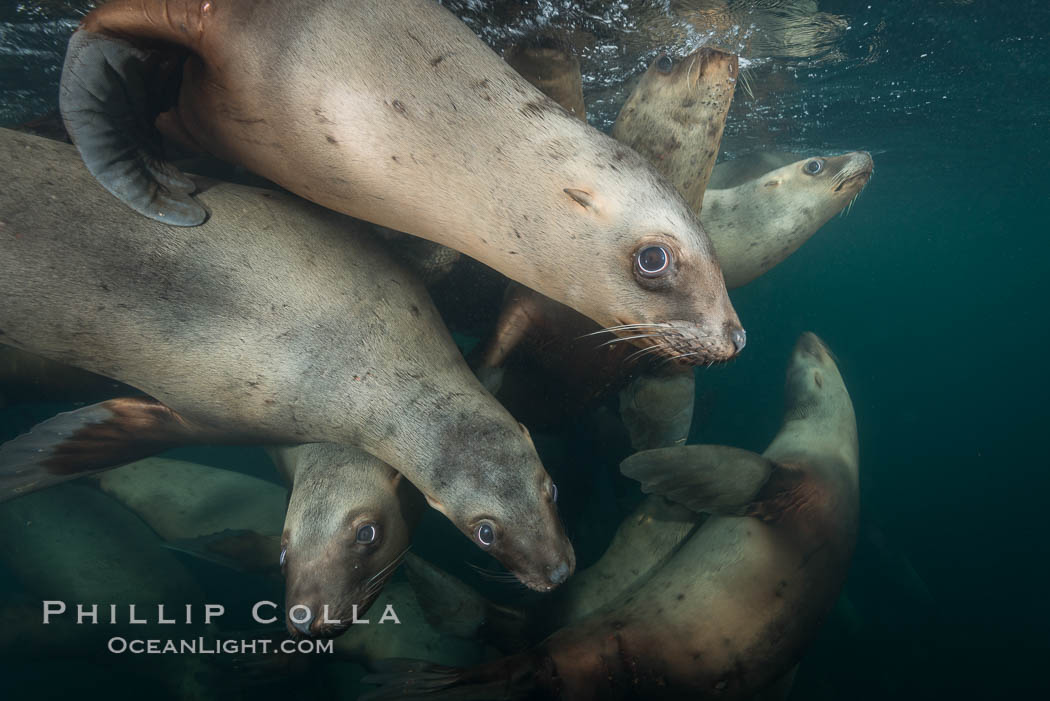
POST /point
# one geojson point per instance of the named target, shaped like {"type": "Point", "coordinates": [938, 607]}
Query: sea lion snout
{"type": "Point", "coordinates": [559, 574]}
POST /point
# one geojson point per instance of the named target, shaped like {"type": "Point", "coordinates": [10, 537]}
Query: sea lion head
{"type": "Point", "coordinates": [813, 190]}
{"type": "Point", "coordinates": [815, 390]}
{"type": "Point", "coordinates": [349, 523]}
{"type": "Point", "coordinates": [517, 520]}
{"type": "Point", "coordinates": [669, 290]}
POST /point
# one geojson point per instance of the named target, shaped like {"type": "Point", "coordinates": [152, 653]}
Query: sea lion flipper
{"type": "Point", "coordinates": [705, 478]}
{"type": "Point", "coordinates": [106, 107]}
{"type": "Point", "coordinates": [238, 549]}
{"type": "Point", "coordinates": [90, 439]}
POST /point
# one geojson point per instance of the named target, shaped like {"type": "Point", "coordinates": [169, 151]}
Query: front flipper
{"type": "Point", "coordinates": [91, 439]}
{"type": "Point", "coordinates": [109, 101]}
{"type": "Point", "coordinates": [240, 550]}
{"type": "Point", "coordinates": [711, 479]}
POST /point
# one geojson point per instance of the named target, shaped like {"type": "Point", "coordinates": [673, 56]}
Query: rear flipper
{"type": "Point", "coordinates": [89, 440]}
{"type": "Point", "coordinates": [240, 550]}
{"type": "Point", "coordinates": [109, 101]}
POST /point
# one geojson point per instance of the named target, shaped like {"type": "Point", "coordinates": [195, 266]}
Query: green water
{"type": "Point", "coordinates": [931, 293]}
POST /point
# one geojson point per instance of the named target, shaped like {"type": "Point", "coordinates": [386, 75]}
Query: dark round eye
{"type": "Point", "coordinates": [366, 534]}
{"type": "Point", "coordinates": [664, 64]}
{"type": "Point", "coordinates": [284, 555]}
{"type": "Point", "coordinates": [554, 493]}
{"type": "Point", "coordinates": [485, 534]}
{"type": "Point", "coordinates": [813, 167]}
{"type": "Point", "coordinates": [653, 261]}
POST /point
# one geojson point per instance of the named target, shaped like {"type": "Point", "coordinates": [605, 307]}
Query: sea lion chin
{"type": "Point", "coordinates": [393, 111]}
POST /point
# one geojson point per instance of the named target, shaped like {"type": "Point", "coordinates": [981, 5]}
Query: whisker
{"type": "Point", "coordinates": [624, 327]}
{"type": "Point", "coordinates": [644, 351]}
{"type": "Point", "coordinates": [620, 339]}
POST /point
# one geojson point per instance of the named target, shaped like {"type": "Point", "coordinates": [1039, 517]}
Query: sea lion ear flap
{"type": "Point", "coordinates": [584, 199]}
{"type": "Point", "coordinates": [91, 439]}
{"type": "Point", "coordinates": [108, 108]}
{"type": "Point", "coordinates": [705, 478]}
{"type": "Point", "coordinates": [240, 550]}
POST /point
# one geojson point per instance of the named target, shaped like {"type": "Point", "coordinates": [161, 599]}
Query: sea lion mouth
{"type": "Point", "coordinates": [864, 175]}
{"type": "Point", "coordinates": [682, 342]}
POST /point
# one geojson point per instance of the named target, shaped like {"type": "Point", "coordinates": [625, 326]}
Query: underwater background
{"type": "Point", "coordinates": [931, 292]}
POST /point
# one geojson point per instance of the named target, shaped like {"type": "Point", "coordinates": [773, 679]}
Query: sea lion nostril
{"type": "Point", "coordinates": [301, 618]}
{"type": "Point", "coordinates": [559, 574]}
{"type": "Point", "coordinates": [739, 338]}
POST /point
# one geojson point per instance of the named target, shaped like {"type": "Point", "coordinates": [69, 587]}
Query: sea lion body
{"type": "Point", "coordinates": [734, 608]}
{"type": "Point", "coordinates": [75, 545]}
{"type": "Point", "coordinates": [181, 500]}
{"type": "Point", "coordinates": [394, 112]}
{"type": "Point", "coordinates": [309, 334]}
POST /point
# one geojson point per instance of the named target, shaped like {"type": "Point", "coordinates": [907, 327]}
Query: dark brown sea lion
{"type": "Point", "coordinates": [735, 607]}
{"type": "Point", "coordinates": [394, 112]}
{"type": "Point", "coordinates": [310, 334]}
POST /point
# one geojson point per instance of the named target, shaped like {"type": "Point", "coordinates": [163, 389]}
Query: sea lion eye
{"type": "Point", "coordinates": [664, 64]}
{"type": "Point", "coordinates": [813, 167]}
{"type": "Point", "coordinates": [553, 489]}
{"type": "Point", "coordinates": [366, 534]}
{"type": "Point", "coordinates": [653, 261]}
{"type": "Point", "coordinates": [485, 534]}
{"type": "Point", "coordinates": [284, 555]}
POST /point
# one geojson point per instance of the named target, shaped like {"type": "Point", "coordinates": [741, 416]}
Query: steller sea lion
{"type": "Point", "coordinates": [393, 111]}
{"type": "Point", "coordinates": [676, 114]}
{"type": "Point", "coordinates": [734, 608]}
{"type": "Point", "coordinates": [311, 334]}
{"type": "Point", "coordinates": [348, 523]}
{"type": "Point", "coordinates": [761, 221]}
{"type": "Point", "coordinates": [74, 545]}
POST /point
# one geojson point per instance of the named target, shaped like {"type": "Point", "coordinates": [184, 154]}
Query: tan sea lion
{"type": "Point", "coordinates": [760, 222]}
{"type": "Point", "coordinates": [395, 112]}
{"type": "Point", "coordinates": [676, 114]}
{"type": "Point", "coordinates": [734, 608]}
{"type": "Point", "coordinates": [311, 334]}
{"type": "Point", "coordinates": [348, 523]}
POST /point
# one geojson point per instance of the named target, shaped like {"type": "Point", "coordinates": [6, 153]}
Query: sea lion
{"type": "Point", "coordinates": [182, 500]}
{"type": "Point", "coordinates": [735, 607]}
{"type": "Point", "coordinates": [760, 222]}
{"type": "Point", "coordinates": [312, 334]}
{"type": "Point", "coordinates": [396, 113]}
{"type": "Point", "coordinates": [547, 62]}
{"type": "Point", "coordinates": [676, 114]}
{"type": "Point", "coordinates": [348, 523]}
{"type": "Point", "coordinates": [77, 546]}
